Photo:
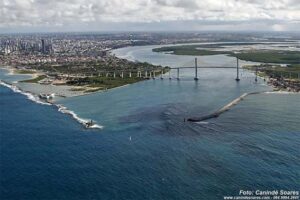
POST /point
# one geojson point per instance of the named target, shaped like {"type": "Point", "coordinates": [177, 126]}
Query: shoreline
{"type": "Point", "coordinates": [33, 97]}
{"type": "Point", "coordinates": [60, 108]}
{"type": "Point", "coordinates": [57, 89]}
{"type": "Point", "coordinates": [61, 90]}
{"type": "Point", "coordinates": [279, 83]}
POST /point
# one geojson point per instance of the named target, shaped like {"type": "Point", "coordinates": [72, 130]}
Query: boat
{"type": "Point", "coordinates": [46, 96]}
{"type": "Point", "coordinates": [89, 124]}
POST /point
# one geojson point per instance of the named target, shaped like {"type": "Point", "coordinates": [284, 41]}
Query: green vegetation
{"type": "Point", "coordinates": [103, 82]}
{"type": "Point", "coordinates": [35, 80]}
{"type": "Point", "coordinates": [23, 71]}
{"type": "Point", "coordinates": [189, 50]}
{"type": "Point", "coordinates": [91, 75]}
{"type": "Point", "coordinates": [290, 72]}
{"type": "Point", "coordinates": [92, 67]}
{"type": "Point", "coordinates": [271, 56]}
{"type": "Point", "coordinates": [266, 56]}
{"type": "Point", "coordinates": [294, 67]}
{"type": "Point", "coordinates": [93, 90]}
{"type": "Point", "coordinates": [282, 78]}
{"type": "Point", "coordinates": [77, 89]}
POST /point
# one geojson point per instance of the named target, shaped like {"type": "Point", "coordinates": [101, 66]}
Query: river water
{"type": "Point", "coordinates": [146, 150]}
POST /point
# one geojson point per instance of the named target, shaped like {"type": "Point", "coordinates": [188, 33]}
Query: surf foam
{"type": "Point", "coordinates": [82, 121]}
{"type": "Point", "coordinates": [61, 108]}
{"type": "Point", "coordinates": [29, 95]}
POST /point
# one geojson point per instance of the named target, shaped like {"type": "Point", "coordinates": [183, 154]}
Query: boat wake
{"type": "Point", "coordinates": [29, 95]}
{"type": "Point", "coordinates": [82, 121]}
{"type": "Point", "coordinates": [61, 108]}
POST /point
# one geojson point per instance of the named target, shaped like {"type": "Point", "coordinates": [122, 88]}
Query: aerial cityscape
{"type": "Point", "coordinates": [164, 100]}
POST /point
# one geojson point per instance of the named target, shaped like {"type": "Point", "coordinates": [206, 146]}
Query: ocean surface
{"type": "Point", "coordinates": [145, 150]}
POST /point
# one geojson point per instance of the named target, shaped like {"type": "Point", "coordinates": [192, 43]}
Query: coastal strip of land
{"type": "Point", "coordinates": [69, 85]}
{"type": "Point", "coordinates": [281, 78]}
{"type": "Point", "coordinates": [62, 109]}
{"type": "Point", "coordinates": [258, 55]}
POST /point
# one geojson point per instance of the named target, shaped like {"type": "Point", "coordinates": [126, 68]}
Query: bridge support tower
{"type": "Point", "coordinates": [237, 70]}
{"type": "Point", "coordinates": [196, 70]}
{"type": "Point", "coordinates": [256, 71]}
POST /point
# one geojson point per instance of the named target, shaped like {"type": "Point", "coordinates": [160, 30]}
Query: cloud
{"type": "Point", "coordinates": [68, 13]}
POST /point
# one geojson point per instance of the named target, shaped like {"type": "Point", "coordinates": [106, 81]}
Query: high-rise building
{"type": "Point", "coordinates": [43, 46]}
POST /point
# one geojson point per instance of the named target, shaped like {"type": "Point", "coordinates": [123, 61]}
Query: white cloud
{"type": "Point", "coordinates": [34, 13]}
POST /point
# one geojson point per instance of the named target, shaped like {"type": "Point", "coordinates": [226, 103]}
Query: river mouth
{"type": "Point", "coordinates": [146, 150]}
{"type": "Point", "coordinates": [215, 88]}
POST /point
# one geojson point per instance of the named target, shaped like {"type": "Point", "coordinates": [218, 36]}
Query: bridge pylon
{"type": "Point", "coordinates": [256, 72]}
{"type": "Point", "coordinates": [146, 74]}
{"type": "Point", "coordinates": [237, 70]}
{"type": "Point", "coordinates": [196, 70]}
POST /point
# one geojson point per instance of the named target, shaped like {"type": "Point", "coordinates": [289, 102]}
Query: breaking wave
{"type": "Point", "coordinates": [29, 95]}
{"type": "Point", "coordinates": [82, 121]}
{"type": "Point", "coordinates": [61, 108]}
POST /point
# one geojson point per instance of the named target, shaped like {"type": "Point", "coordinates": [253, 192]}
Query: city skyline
{"type": "Point", "coordinates": [148, 15]}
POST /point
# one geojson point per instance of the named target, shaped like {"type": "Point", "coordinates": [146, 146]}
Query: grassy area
{"type": "Point", "coordinates": [93, 90]}
{"type": "Point", "coordinates": [23, 71]}
{"type": "Point", "coordinates": [103, 82]}
{"type": "Point", "coordinates": [290, 72]}
{"type": "Point", "coordinates": [77, 89]}
{"type": "Point", "coordinates": [265, 56]}
{"type": "Point", "coordinates": [271, 56]}
{"type": "Point", "coordinates": [35, 80]}
{"type": "Point", "coordinates": [92, 67]}
{"type": "Point", "coordinates": [294, 67]}
{"type": "Point", "coordinates": [189, 50]}
{"type": "Point", "coordinates": [96, 83]}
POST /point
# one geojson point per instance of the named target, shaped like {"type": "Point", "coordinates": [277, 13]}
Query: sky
{"type": "Point", "coordinates": [149, 15]}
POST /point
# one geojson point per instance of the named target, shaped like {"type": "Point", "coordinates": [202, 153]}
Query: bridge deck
{"type": "Point", "coordinates": [206, 67]}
